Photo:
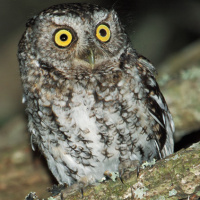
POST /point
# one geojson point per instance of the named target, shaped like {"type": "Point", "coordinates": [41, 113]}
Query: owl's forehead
{"type": "Point", "coordinates": [65, 14]}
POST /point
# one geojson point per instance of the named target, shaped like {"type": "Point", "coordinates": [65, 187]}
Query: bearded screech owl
{"type": "Point", "coordinates": [92, 101]}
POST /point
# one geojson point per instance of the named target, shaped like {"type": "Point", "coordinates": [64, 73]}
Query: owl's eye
{"type": "Point", "coordinates": [103, 33]}
{"type": "Point", "coordinates": [63, 38]}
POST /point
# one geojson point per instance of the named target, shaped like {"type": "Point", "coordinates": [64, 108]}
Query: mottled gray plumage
{"type": "Point", "coordinates": [92, 105]}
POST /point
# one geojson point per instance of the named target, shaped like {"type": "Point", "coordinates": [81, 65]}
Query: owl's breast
{"type": "Point", "coordinates": [92, 129]}
{"type": "Point", "coordinates": [89, 130]}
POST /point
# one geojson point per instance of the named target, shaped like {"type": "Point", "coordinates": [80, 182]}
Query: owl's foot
{"type": "Point", "coordinates": [79, 186]}
{"type": "Point", "coordinates": [127, 167]}
{"type": "Point", "coordinates": [56, 189]}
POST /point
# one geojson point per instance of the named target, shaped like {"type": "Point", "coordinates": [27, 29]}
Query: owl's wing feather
{"type": "Point", "coordinates": [32, 143]}
{"type": "Point", "coordinates": [164, 118]}
{"type": "Point", "coordinates": [158, 109]}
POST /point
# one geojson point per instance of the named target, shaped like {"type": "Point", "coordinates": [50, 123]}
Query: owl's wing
{"type": "Point", "coordinates": [158, 109]}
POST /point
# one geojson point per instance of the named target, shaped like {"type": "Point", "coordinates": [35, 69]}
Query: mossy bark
{"type": "Point", "coordinates": [175, 177]}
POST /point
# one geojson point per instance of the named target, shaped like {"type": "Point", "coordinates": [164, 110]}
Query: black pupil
{"type": "Point", "coordinates": [103, 32]}
{"type": "Point", "coordinates": [63, 37]}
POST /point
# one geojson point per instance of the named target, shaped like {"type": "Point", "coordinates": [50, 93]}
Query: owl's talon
{"type": "Point", "coordinates": [61, 196]}
{"type": "Point", "coordinates": [56, 189]}
{"type": "Point", "coordinates": [138, 171]}
{"type": "Point", "coordinates": [79, 186]}
{"type": "Point", "coordinates": [70, 190]}
{"type": "Point", "coordinates": [127, 167]}
{"type": "Point", "coordinates": [121, 179]}
{"type": "Point", "coordinates": [82, 192]}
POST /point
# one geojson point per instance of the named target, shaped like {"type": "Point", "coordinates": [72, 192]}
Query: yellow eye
{"type": "Point", "coordinates": [103, 33]}
{"type": "Point", "coordinates": [63, 38]}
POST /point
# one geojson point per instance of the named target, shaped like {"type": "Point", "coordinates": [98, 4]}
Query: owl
{"type": "Point", "coordinates": [92, 101]}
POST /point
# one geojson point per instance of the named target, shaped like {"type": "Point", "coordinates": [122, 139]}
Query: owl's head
{"type": "Point", "coordinates": [74, 37]}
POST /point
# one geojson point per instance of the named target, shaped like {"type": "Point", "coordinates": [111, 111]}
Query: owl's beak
{"type": "Point", "coordinates": [90, 58]}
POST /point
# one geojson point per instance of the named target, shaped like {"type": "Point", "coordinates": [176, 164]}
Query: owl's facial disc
{"type": "Point", "coordinates": [64, 37]}
{"type": "Point", "coordinates": [103, 34]}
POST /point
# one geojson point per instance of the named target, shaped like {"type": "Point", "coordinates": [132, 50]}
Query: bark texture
{"type": "Point", "coordinates": [175, 177]}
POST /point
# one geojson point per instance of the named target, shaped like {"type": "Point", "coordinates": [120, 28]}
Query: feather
{"type": "Point", "coordinates": [158, 109]}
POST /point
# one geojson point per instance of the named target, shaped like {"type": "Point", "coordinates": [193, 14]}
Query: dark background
{"type": "Point", "coordinates": [159, 30]}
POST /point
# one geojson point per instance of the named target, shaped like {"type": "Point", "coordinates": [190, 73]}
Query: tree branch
{"type": "Point", "coordinates": [175, 177]}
